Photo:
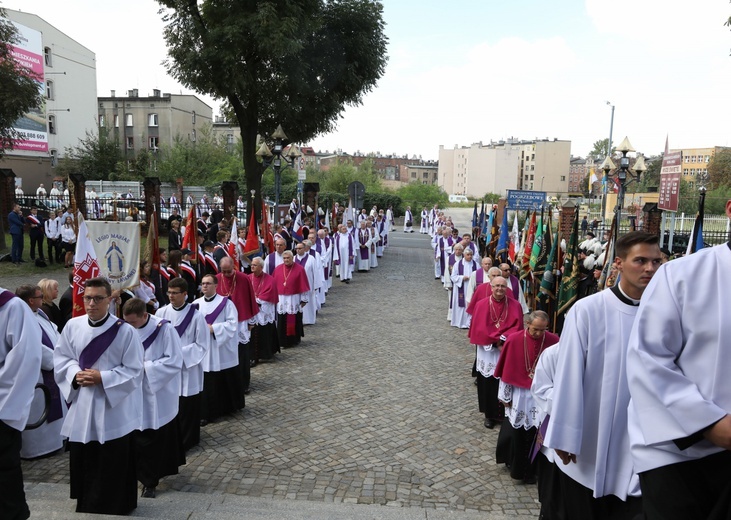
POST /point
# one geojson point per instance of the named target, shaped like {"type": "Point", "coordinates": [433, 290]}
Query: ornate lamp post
{"type": "Point", "coordinates": [626, 176]}
{"type": "Point", "coordinates": [607, 166]}
{"type": "Point", "coordinates": [278, 161]}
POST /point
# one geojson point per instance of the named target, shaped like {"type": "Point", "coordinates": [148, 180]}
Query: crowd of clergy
{"type": "Point", "coordinates": [628, 418]}
{"type": "Point", "coordinates": [133, 380]}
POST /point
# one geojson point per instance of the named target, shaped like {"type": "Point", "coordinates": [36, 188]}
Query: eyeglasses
{"type": "Point", "coordinates": [172, 293]}
{"type": "Point", "coordinates": [95, 299]}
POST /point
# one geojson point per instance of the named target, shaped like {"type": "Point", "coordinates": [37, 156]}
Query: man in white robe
{"type": "Point", "coordinates": [408, 220]}
{"type": "Point", "coordinates": [312, 268]}
{"type": "Point", "coordinates": [424, 227]}
{"type": "Point", "coordinates": [324, 246]}
{"type": "Point", "coordinates": [98, 365]}
{"type": "Point", "coordinates": [677, 369]}
{"type": "Point", "coordinates": [375, 237]}
{"type": "Point", "coordinates": [452, 260]}
{"type": "Point", "coordinates": [588, 427]}
{"type": "Point", "coordinates": [274, 258]}
{"type": "Point", "coordinates": [158, 446]}
{"type": "Point", "coordinates": [47, 437]}
{"type": "Point", "coordinates": [344, 253]}
{"type": "Point", "coordinates": [461, 273]}
{"type": "Point", "coordinates": [442, 250]}
{"type": "Point", "coordinates": [20, 363]}
{"type": "Point", "coordinates": [195, 341]}
{"type": "Point", "coordinates": [223, 391]}
{"type": "Point", "coordinates": [478, 277]}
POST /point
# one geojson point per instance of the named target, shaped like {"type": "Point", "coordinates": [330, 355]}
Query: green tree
{"type": "Point", "coordinates": [650, 180]}
{"type": "Point", "coordinates": [294, 63]}
{"type": "Point", "coordinates": [719, 169]}
{"type": "Point", "coordinates": [599, 149]}
{"type": "Point", "coordinates": [96, 157]}
{"type": "Point", "coordinates": [337, 178]}
{"type": "Point", "coordinates": [418, 195]}
{"type": "Point", "coordinates": [21, 89]}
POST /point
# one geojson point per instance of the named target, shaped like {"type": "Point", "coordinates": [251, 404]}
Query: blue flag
{"type": "Point", "coordinates": [487, 228]}
{"type": "Point", "coordinates": [504, 240]}
{"type": "Point", "coordinates": [474, 216]}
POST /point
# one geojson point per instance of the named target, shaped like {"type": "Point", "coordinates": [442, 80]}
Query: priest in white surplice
{"type": "Point", "coordinates": [677, 368]}
{"type": "Point", "coordinates": [98, 365]}
{"type": "Point", "coordinates": [195, 340]}
{"type": "Point", "coordinates": [363, 256]}
{"type": "Point", "coordinates": [312, 268]}
{"type": "Point", "coordinates": [274, 258]}
{"type": "Point", "coordinates": [158, 447]}
{"type": "Point", "coordinates": [588, 426]}
{"type": "Point", "coordinates": [324, 246]}
{"type": "Point", "coordinates": [47, 437]}
{"type": "Point", "coordinates": [20, 363]}
{"type": "Point", "coordinates": [344, 253]}
{"type": "Point", "coordinates": [461, 273]}
{"type": "Point", "coordinates": [478, 277]}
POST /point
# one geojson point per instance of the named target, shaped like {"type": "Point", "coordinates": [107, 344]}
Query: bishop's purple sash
{"type": "Point", "coordinates": [98, 346]}
{"type": "Point", "coordinates": [149, 340]}
{"type": "Point", "coordinates": [210, 318]}
{"type": "Point", "coordinates": [55, 412]}
{"type": "Point", "coordinates": [479, 277]}
{"type": "Point", "coordinates": [183, 325]}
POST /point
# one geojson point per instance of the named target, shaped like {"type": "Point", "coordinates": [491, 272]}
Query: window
{"type": "Point", "coordinates": [192, 119]}
{"type": "Point", "coordinates": [49, 89]}
{"type": "Point", "coordinates": [47, 57]}
{"type": "Point", "coordinates": [153, 165]}
{"type": "Point", "coordinates": [54, 157]}
{"type": "Point", "coordinates": [101, 120]}
{"type": "Point", "coordinates": [152, 120]}
{"type": "Point", "coordinates": [128, 120]}
{"type": "Point", "coordinates": [130, 143]}
{"type": "Point", "coordinates": [563, 178]}
{"type": "Point", "coordinates": [230, 138]}
{"type": "Point", "coordinates": [116, 120]}
{"type": "Point", "coordinates": [192, 135]}
{"type": "Point", "coordinates": [154, 142]}
{"type": "Point", "coordinates": [708, 158]}
{"type": "Point", "coordinates": [413, 175]}
{"type": "Point", "coordinates": [51, 124]}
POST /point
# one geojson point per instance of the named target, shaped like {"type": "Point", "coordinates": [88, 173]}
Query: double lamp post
{"type": "Point", "coordinates": [279, 161]}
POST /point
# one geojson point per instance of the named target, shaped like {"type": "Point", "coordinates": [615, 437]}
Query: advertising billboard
{"type": "Point", "coordinates": [32, 126]}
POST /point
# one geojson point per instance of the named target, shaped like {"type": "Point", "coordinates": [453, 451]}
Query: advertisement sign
{"type": "Point", "coordinates": [672, 169]}
{"type": "Point", "coordinates": [524, 199]}
{"type": "Point", "coordinates": [32, 126]}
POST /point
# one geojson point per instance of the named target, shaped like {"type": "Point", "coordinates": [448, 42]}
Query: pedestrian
{"type": "Point", "coordinates": [36, 232]}
{"type": "Point", "coordinates": [16, 222]}
{"type": "Point", "coordinates": [677, 371]}
{"type": "Point", "coordinates": [408, 221]}
{"type": "Point", "coordinates": [98, 365]}
{"type": "Point", "coordinates": [49, 290]}
{"type": "Point", "coordinates": [584, 225]}
{"type": "Point", "coordinates": [264, 339]}
{"type": "Point", "coordinates": [293, 292]}
{"type": "Point", "coordinates": [52, 229]}
{"type": "Point", "coordinates": [68, 241]}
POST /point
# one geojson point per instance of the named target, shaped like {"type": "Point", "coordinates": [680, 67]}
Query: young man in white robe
{"type": "Point", "coordinates": [158, 446]}
{"type": "Point", "coordinates": [588, 427]}
{"type": "Point", "coordinates": [47, 438]}
{"type": "Point", "coordinates": [363, 240]}
{"type": "Point", "coordinates": [20, 363]}
{"type": "Point", "coordinates": [344, 251]}
{"type": "Point", "coordinates": [98, 365]}
{"type": "Point", "coordinates": [461, 273]}
{"type": "Point", "coordinates": [195, 341]}
{"type": "Point", "coordinates": [677, 369]}
{"type": "Point", "coordinates": [223, 391]}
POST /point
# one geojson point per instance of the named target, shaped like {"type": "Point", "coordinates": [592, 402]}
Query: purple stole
{"type": "Point", "coordinates": [303, 261]}
{"type": "Point", "coordinates": [5, 297]}
{"type": "Point", "coordinates": [363, 239]}
{"type": "Point", "coordinates": [211, 318]}
{"type": "Point", "coordinates": [99, 345]}
{"type": "Point", "coordinates": [183, 325]}
{"type": "Point", "coordinates": [151, 338]}
{"type": "Point", "coordinates": [55, 412]}
{"type": "Point", "coordinates": [479, 277]}
{"type": "Point", "coordinates": [514, 286]}
{"type": "Point", "coordinates": [542, 429]}
{"type": "Point", "coordinates": [337, 245]}
{"type": "Point", "coordinates": [460, 290]}
{"type": "Point", "coordinates": [272, 262]}
{"type": "Point", "coordinates": [441, 253]}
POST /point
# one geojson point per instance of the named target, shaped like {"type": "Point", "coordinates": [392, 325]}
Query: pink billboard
{"type": "Point", "coordinates": [33, 125]}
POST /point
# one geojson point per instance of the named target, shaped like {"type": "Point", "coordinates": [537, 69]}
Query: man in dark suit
{"type": "Point", "coordinates": [16, 222]}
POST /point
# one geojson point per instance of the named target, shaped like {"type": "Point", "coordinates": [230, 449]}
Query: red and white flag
{"type": "Point", "coordinates": [86, 266]}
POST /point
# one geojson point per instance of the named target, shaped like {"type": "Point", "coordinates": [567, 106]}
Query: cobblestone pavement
{"type": "Point", "coordinates": [376, 406]}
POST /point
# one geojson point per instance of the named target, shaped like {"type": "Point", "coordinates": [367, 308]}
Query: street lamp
{"type": "Point", "coordinates": [607, 166]}
{"type": "Point", "coordinates": [626, 176]}
{"type": "Point", "coordinates": [273, 157]}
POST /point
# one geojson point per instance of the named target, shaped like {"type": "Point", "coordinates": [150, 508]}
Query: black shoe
{"type": "Point", "coordinates": [204, 422]}
{"type": "Point", "coordinates": [252, 363]}
{"type": "Point", "coordinates": [529, 480]}
{"type": "Point", "coordinates": [489, 424]}
{"type": "Point", "coordinates": [148, 492]}
{"type": "Point", "coordinates": [247, 391]}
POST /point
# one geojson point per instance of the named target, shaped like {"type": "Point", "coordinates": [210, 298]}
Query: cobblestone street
{"type": "Point", "coordinates": [376, 406]}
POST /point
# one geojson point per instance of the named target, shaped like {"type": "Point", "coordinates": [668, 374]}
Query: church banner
{"type": "Point", "coordinates": [117, 246]}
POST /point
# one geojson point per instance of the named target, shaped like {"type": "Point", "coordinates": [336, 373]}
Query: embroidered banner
{"type": "Point", "coordinates": [117, 246]}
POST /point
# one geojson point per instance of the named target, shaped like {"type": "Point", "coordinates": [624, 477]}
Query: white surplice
{"type": "Point", "coordinates": [459, 316]}
{"type": "Point", "coordinates": [590, 396]}
{"type": "Point", "coordinates": [344, 245]}
{"type": "Point", "coordinates": [542, 388]}
{"type": "Point", "coordinates": [312, 269]}
{"type": "Point", "coordinates": [109, 410]}
{"type": "Point", "coordinates": [224, 351]}
{"type": "Point", "coordinates": [678, 358]}
{"type": "Point", "coordinates": [363, 245]}
{"type": "Point", "coordinates": [161, 382]}
{"type": "Point", "coordinates": [194, 344]}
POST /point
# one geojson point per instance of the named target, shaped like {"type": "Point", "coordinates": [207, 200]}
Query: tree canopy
{"type": "Point", "coordinates": [20, 88]}
{"type": "Point", "coordinates": [719, 169]}
{"type": "Point", "coordinates": [599, 149]}
{"type": "Point", "coordinates": [294, 63]}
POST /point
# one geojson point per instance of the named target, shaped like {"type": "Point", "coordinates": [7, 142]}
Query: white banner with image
{"type": "Point", "coordinates": [117, 246]}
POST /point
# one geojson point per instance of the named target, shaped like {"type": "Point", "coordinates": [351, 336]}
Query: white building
{"type": "Point", "coordinates": [70, 91]}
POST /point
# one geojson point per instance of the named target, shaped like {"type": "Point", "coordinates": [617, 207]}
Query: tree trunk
{"type": "Point", "coordinates": [252, 167]}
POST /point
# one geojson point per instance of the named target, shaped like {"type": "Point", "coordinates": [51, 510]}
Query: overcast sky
{"type": "Point", "coordinates": [464, 71]}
